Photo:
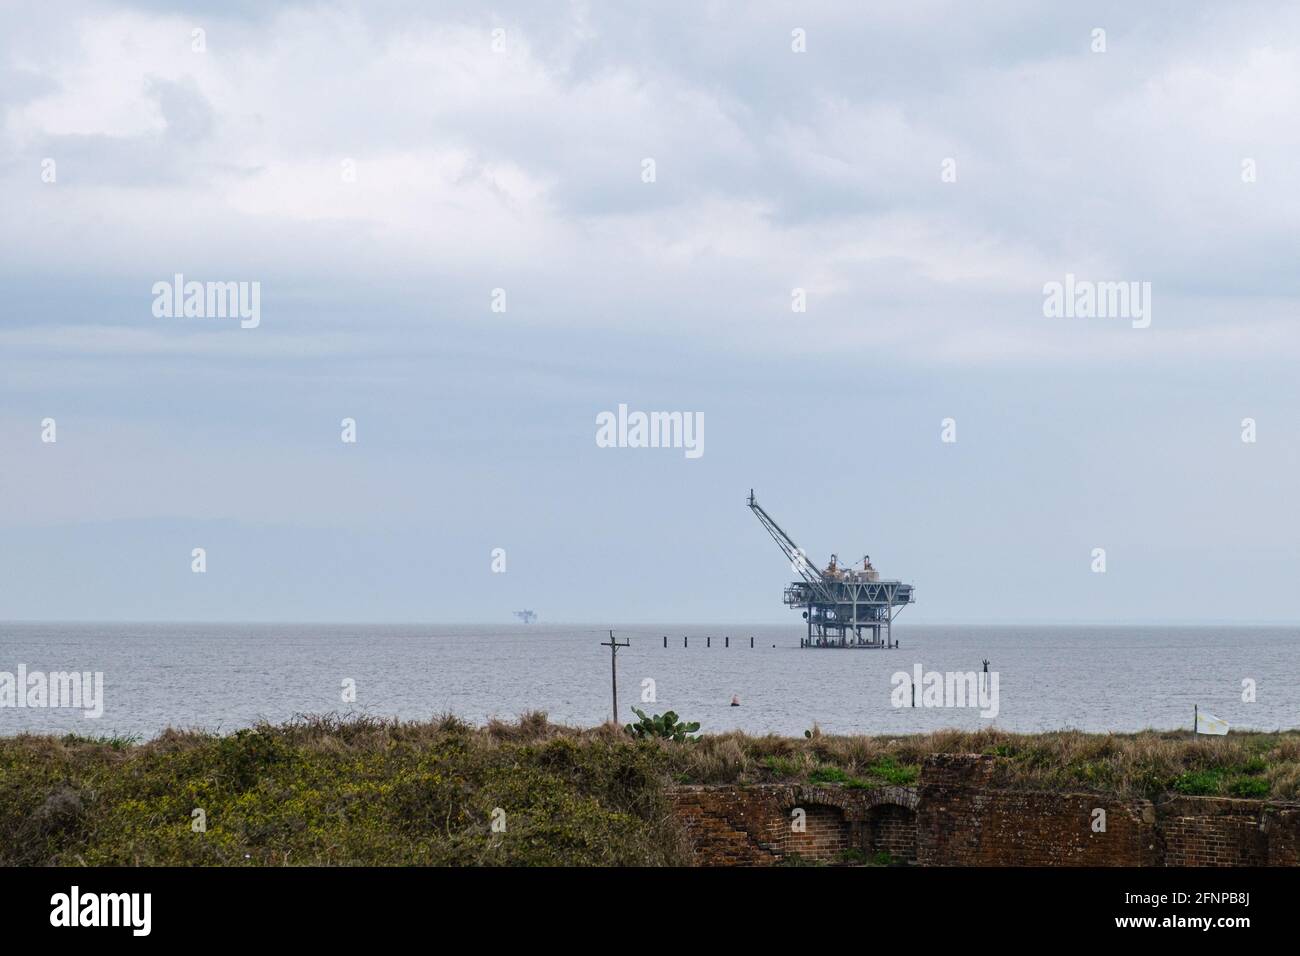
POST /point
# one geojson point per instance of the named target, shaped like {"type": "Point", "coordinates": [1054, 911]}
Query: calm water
{"type": "Point", "coordinates": [229, 676]}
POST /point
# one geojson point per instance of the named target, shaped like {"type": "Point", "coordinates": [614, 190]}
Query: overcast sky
{"type": "Point", "coordinates": [381, 168]}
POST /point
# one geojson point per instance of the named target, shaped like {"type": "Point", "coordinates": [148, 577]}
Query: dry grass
{"type": "Point", "coordinates": [373, 792]}
{"type": "Point", "coordinates": [1142, 764]}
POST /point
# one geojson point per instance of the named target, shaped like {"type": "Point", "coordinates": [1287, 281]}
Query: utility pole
{"type": "Point", "coordinates": [613, 646]}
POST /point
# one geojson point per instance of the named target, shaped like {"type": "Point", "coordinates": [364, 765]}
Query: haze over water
{"type": "Point", "coordinates": [227, 676]}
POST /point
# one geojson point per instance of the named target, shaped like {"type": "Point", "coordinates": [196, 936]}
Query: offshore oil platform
{"type": "Point", "coordinates": [838, 603]}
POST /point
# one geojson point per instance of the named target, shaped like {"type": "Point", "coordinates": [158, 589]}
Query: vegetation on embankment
{"type": "Point", "coordinates": [369, 792]}
{"type": "Point", "coordinates": [1145, 764]}
{"type": "Point", "coordinates": [324, 791]}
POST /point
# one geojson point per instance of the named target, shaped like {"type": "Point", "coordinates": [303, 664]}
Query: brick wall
{"type": "Point", "coordinates": [1282, 827]}
{"type": "Point", "coordinates": [756, 825]}
{"type": "Point", "coordinates": [1202, 831]}
{"type": "Point", "coordinates": [891, 829]}
{"type": "Point", "coordinates": [825, 835]}
{"type": "Point", "coordinates": [963, 821]}
{"type": "Point", "coordinates": [729, 826]}
{"type": "Point", "coordinates": [959, 816]}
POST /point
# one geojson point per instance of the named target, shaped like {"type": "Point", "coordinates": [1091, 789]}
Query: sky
{"type": "Point", "coordinates": [474, 228]}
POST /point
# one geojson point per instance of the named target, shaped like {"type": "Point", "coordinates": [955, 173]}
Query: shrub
{"type": "Point", "coordinates": [1249, 787]}
{"type": "Point", "coordinates": [828, 775]}
{"type": "Point", "coordinates": [890, 770]}
{"type": "Point", "coordinates": [320, 791]}
{"type": "Point", "coordinates": [1199, 782]}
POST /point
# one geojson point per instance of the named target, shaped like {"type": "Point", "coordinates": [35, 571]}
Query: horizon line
{"type": "Point", "coordinates": [657, 624]}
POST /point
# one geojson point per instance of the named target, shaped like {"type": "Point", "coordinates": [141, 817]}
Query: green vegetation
{"type": "Point", "coordinates": [885, 771]}
{"type": "Point", "coordinates": [890, 771]}
{"type": "Point", "coordinates": [829, 775]}
{"type": "Point", "coordinates": [665, 727]}
{"type": "Point", "coordinates": [371, 792]}
{"type": "Point", "coordinates": [1245, 779]}
{"type": "Point", "coordinates": [1249, 787]}
{"type": "Point", "coordinates": [1145, 764]}
{"type": "Point", "coordinates": [783, 768]}
{"type": "Point", "coordinates": [1199, 782]}
{"type": "Point", "coordinates": [325, 792]}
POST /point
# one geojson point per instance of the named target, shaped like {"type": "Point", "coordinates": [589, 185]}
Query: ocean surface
{"type": "Point", "coordinates": [226, 676]}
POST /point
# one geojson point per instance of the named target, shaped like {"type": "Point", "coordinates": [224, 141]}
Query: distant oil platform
{"type": "Point", "coordinates": [526, 616]}
{"type": "Point", "coordinates": [839, 603]}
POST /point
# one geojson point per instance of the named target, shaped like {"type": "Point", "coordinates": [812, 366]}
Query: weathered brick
{"type": "Point", "coordinates": [958, 817]}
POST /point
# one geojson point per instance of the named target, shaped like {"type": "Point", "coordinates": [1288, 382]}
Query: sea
{"type": "Point", "coordinates": [222, 677]}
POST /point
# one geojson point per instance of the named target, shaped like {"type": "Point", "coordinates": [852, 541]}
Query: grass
{"type": "Point", "coordinates": [371, 792]}
{"type": "Point", "coordinates": [323, 791]}
{"type": "Point", "coordinates": [1145, 764]}
{"type": "Point", "coordinates": [1246, 779]}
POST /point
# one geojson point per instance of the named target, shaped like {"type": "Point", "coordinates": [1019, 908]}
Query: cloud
{"type": "Point", "coordinates": [474, 167]}
{"type": "Point", "coordinates": [380, 168]}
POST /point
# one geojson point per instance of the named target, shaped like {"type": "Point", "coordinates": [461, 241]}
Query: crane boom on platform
{"type": "Point", "coordinates": [799, 562]}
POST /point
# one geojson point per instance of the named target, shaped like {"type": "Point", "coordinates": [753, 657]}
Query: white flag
{"type": "Point", "coordinates": [1207, 723]}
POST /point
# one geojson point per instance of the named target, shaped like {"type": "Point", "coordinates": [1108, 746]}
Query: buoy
{"type": "Point", "coordinates": [735, 700]}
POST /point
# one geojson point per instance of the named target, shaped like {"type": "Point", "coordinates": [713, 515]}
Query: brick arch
{"type": "Point", "coordinates": [881, 819]}
{"type": "Point", "coordinates": [749, 825]}
{"type": "Point", "coordinates": [846, 800]}
{"type": "Point", "coordinates": [895, 796]}
{"type": "Point", "coordinates": [854, 802]}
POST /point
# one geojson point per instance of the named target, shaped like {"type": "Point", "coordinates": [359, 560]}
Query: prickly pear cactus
{"type": "Point", "coordinates": [665, 726]}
